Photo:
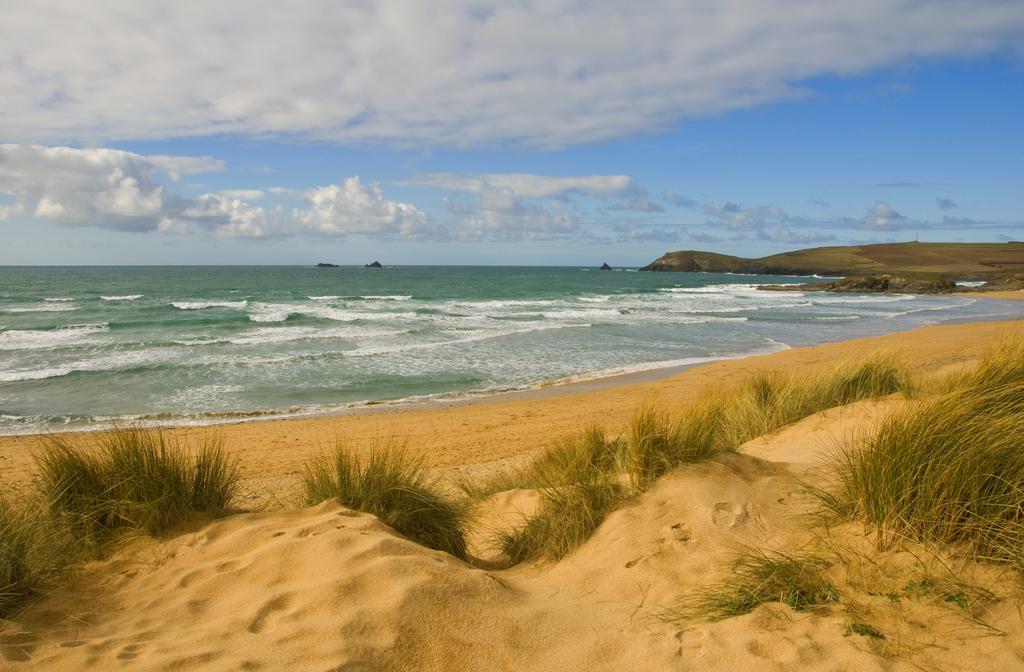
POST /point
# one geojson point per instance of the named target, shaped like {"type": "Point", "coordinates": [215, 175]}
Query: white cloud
{"type": "Point", "coordinates": [115, 189]}
{"type": "Point", "coordinates": [500, 214]}
{"type": "Point", "coordinates": [354, 208]}
{"type": "Point", "coordinates": [244, 194]}
{"type": "Point", "coordinates": [457, 72]}
{"type": "Point", "coordinates": [739, 218]}
{"type": "Point", "coordinates": [108, 187]}
{"type": "Point", "coordinates": [529, 185]}
{"type": "Point", "coordinates": [882, 217]}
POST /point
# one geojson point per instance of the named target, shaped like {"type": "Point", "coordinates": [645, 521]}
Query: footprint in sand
{"type": "Point", "coordinates": [730, 514]}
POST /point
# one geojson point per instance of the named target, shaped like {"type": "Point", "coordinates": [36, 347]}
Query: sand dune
{"type": "Point", "coordinates": [326, 588]}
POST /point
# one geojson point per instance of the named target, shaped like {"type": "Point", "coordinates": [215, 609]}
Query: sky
{"type": "Point", "coordinates": [519, 133]}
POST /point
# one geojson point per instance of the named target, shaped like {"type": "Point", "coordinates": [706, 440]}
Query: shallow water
{"type": "Point", "coordinates": [81, 345]}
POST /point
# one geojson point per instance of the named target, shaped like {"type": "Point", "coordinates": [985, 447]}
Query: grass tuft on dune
{"type": "Point", "coordinates": [395, 487]}
{"type": "Point", "coordinates": [133, 479]}
{"type": "Point", "coordinates": [950, 469]}
{"type": "Point", "coordinates": [801, 581]}
{"type": "Point", "coordinates": [33, 551]}
{"type": "Point", "coordinates": [769, 401]}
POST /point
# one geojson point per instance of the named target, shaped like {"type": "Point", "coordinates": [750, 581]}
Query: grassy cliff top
{"type": "Point", "coordinates": [964, 260]}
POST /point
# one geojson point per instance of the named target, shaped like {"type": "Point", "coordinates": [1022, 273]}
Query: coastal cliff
{"type": "Point", "coordinates": [913, 267]}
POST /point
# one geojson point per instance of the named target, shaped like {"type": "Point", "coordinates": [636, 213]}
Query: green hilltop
{"type": "Point", "coordinates": [979, 261]}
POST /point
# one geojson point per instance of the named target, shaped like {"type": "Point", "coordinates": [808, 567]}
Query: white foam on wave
{"type": "Point", "coordinates": [581, 313]}
{"type": "Point", "coordinates": [387, 297]}
{"type": "Point", "coordinates": [267, 335]}
{"type": "Point", "coordinates": [202, 305]}
{"type": "Point", "coordinates": [600, 298]}
{"type": "Point", "coordinates": [497, 304]}
{"type": "Point", "coordinates": [473, 336]}
{"type": "Point", "coordinates": [126, 297]}
{"type": "Point", "coordinates": [279, 312]}
{"type": "Point", "coordinates": [52, 307]}
{"type": "Point", "coordinates": [109, 362]}
{"type": "Point", "coordinates": [58, 299]}
{"type": "Point", "coordinates": [842, 299]}
{"type": "Point", "coordinates": [712, 289]}
{"type": "Point", "coordinates": [325, 297]}
{"type": "Point", "coordinates": [42, 339]}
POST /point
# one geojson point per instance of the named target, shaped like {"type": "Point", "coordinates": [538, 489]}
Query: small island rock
{"type": "Point", "coordinates": [324, 264]}
{"type": "Point", "coordinates": [605, 267]}
{"type": "Point", "coordinates": [375, 264]}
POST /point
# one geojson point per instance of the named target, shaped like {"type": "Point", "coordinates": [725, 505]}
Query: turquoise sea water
{"type": "Point", "coordinates": [190, 344]}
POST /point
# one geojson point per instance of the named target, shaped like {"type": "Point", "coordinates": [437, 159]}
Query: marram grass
{"type": "Point", "coordinates": [950, 469]}
{"type": "Point", "coordinates": [769, 401]}
{"type": "Point", "coordinates": [568, 515]}
{"type": "Point", "coordinates": [395, 487]}
{"type": "Point", "coordinates": [33, 551]}
{"type": "Point", "coordinates": [579, 486]}
{"type": "Point", "coordinates": [801, 581]}
{"type": "Point", "coordinates": [134, 479]}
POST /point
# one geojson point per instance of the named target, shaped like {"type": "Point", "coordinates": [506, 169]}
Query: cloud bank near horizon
{"type": "Point", "coordinates": [127, 191]}
{"type": "Point", "coordinates": [461, 73]}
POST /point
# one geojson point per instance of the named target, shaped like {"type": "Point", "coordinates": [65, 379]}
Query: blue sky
{"type": "Point", "coordinates": [530, 142]}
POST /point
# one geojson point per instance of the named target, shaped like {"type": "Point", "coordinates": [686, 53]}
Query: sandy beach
{"type": "Point", "coordinates": [477, 437]}
{"type": "Point", "coordinates": [329, 588]}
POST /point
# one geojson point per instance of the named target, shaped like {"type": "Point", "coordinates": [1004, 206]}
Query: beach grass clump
{"type": "Point", "coordinates": [135, 479]}
{"type": "Point", "coordinates": [801, 581]}
{"type": "Point", "coordinates": [394, 486]}
{"type": "Point", "coordinates": [659, 442]}
{"type": "Point", "coordinates": [33, 550]}
{"type": "Point", "coordinates": [769, 401]}
{"type": "Point", "coordinates": [571, 459]}
{"type": "Point", "coordinates": [950, 469]}
{"type": "Point", "coordinates": [568, 515]}
{"type": "Point", "coordinates": [584, 476]}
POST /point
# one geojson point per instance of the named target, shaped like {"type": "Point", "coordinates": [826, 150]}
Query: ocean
{"type": "Point", "coordinates": [86, 345]}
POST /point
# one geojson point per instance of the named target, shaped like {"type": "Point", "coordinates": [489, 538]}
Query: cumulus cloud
{"type": "Point", "coordinates": [354, 208]}
{"type": "Point", "coordinates": [533, 72]}
{"type": "Point", "coordinates": [736, 217]}
{"type": "Point", "coordinates": [244, 194]}
{"type": "Point", "coordinates": [501, 214]}
{"type": "Point", "coordinates": [882, 217]}
{"type": "Point", "coordinates": [120, 190]}
{"type": "Point", "coordinates": [102, 187]}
